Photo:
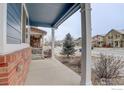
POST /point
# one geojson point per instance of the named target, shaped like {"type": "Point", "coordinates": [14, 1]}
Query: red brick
{"type": "Point", "coordinates": [12, 69]}
{"type": "Point", "coordinates": [3, 64]}
{"type": "Point", "coordinates": [3, 74]}
{"type": "Point", "coordinates": [12, 72]}
{"type": "Point", "coordinates": [4, 83]}
{"type": "Point", "coordinates": [2, 59]}
{"type": "Point", "coordinates": [8, 58]}
{"type": "Point", "coordinates": [4, 80]}
{"type": "Point", "coordinates": [12, 60]}
{"type": "Point", "coordinates": [12, 77]}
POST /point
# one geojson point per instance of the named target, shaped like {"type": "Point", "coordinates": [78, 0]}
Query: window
{"type": "Point", "coordinates": [13, 23]}
{"type": "Point", "coordinates": [17, 21]}
{"type": "Point", "coordinates": [111, 37]}
{"type": "Point", "coordinates": [108, 37]}
{"type": "Point", "coordinates": [118, 36]}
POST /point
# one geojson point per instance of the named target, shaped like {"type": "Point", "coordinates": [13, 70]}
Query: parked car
{"type": "Point", "coordinates": [80, 49]}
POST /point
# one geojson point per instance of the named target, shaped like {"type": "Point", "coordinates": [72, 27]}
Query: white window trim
{"type": "Point", "coordinates": [27, 15]}
{"type": "Point", "coordinates": [3, 26]}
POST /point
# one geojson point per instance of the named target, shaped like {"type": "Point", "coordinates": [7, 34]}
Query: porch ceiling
{"type": "Point", "coordinates": [50, 14]}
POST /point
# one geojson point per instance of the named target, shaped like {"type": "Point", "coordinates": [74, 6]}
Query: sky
{"type": "Point", "coordinates": [107, 16]}
{"type": "Point", "coordinates": [104, 17]}
{"type": "Point", "coordinates": [72, 25]}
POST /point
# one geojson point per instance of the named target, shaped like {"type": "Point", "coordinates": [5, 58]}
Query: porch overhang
{"type": "Point", "coordinates": [50, 14]}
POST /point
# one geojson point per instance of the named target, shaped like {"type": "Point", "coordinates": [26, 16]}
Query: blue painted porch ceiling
{"type": "Point", "coordinates": [47, 14]}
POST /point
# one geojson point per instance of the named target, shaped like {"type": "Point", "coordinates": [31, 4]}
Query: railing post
{"type": "Point", "coordinates": [86, 44]}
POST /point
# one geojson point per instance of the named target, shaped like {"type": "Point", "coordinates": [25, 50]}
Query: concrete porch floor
{"type": "Point", "coordinates": [51, 72]}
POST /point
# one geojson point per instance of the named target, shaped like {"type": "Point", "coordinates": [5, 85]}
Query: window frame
{"type": "Point", "coordinates": [24, 20]}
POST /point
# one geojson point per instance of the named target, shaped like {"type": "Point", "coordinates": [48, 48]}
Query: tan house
{"type": "Point", "coordinates": [98, 41]}
{"type": "Point", "coordinates": [115, 38]}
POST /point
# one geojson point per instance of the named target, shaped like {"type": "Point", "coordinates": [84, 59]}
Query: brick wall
{"type": "Point", "coordinates": [14, 67]}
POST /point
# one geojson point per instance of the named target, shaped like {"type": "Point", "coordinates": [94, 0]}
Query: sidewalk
{"type": "Point", "coordinates": [51, 72]}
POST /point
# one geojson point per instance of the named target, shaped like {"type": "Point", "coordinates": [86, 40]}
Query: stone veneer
{"type": "Point", "coordinates": [14, 67]}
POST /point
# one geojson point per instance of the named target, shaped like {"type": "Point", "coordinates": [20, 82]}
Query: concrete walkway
{"type": "Point", "coordinates": [51, 72]}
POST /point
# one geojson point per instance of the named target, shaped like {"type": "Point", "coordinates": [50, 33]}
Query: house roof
{"type": "Point", "coordinates": [121, 31]}
{"type": "Point", "coordinates": [37, 30]}
{"type": "Point", "coordinates": [50, 14]}
{"type": "Point", "coordinates": [98, 35]}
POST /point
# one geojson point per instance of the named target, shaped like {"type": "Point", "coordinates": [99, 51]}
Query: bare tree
{"type": "Point", "coordinates": [108, 69]}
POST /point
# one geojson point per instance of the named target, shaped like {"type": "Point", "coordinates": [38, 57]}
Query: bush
{"type": "Point", "coordinates": [108, 69]}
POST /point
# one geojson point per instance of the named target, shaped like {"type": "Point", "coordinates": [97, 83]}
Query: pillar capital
{"type": "Point", "coordinates": [85, 7]}
{"type": "Point", "coordinates": [54, 28]}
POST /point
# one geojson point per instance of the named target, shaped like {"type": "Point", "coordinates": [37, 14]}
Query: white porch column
{"type": "Point", "coordinates": [53, 40]}
{"type": "Point", "coordinates": [86, 44]}
{"type": "Point", "coordinates": [28, 41]}
{"type": "Point", "coordinates": [113, 44]}
{"type": "Point", "coordinates": [3, 26]}
{"type": "Point", "coordinates": [42, 46]}
{"type": "Point", "coordinates": [118, 43]}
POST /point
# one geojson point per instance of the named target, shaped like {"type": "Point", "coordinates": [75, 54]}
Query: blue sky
{"type": "Point", "coordinates": [104, 17]}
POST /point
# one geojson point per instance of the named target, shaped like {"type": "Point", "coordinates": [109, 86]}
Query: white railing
{"type": "Point", "coordinates": [36, 50]}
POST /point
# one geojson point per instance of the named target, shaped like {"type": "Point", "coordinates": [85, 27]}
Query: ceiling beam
{"type": "Point", "coordinates": [71, 11]}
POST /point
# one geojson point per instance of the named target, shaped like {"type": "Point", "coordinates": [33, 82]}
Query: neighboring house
{"type": "Point", "coordinates": [37, 40]}
{"type": "Point", "coordinates": [115, 38]}
{"type": "Point", "coordinates": [37, 37]}
{"type": "Point", "coordinates": [59, 43]}
{"type": "Point", "coordinates": [15, 51]}
{"type": "Point", "coordinates": [98, 41]}
{"type": "Point", "coordinates": [78, 41]}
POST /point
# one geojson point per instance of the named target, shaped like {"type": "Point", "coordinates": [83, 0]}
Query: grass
{"type": "Point", "coordinates": [73, 62]}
